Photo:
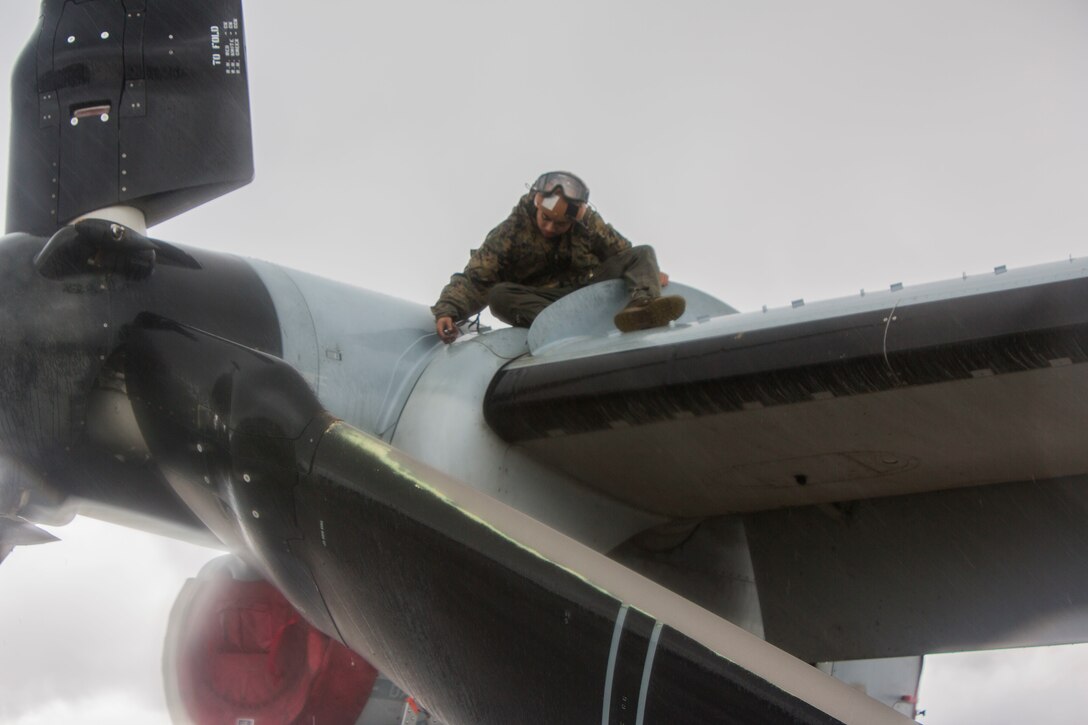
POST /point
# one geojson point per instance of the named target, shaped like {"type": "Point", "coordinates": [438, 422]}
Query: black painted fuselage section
{"type": "Point", "coordinates": [492, 632]}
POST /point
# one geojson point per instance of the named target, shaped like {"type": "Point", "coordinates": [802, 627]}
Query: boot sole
{"type": "Point", "coordinates": [658, 313]}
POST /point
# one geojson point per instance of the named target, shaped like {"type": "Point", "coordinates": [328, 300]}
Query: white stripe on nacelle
{"type": "Point", "coordinates": [610, 673]}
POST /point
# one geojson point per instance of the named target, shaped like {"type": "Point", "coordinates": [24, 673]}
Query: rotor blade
{"type": "Point", "coordinates": [16, 532]}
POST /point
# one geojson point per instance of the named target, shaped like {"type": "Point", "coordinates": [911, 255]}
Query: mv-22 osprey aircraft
{"type": "Point", "coordinates": [663, 526]}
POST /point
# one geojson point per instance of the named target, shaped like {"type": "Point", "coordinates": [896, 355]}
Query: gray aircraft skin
{"type": "Point", "coordinates": [594, 525]}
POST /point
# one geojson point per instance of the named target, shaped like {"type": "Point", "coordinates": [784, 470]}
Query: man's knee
{"type": "Point", "coordinates": [637, 261]}
{"type": "Point", "coordinates": [502, 300]}
{"type": "Point", "coordinates": [500, 295]}
{"type": "Point", "coordinates": [515, 304]}
{"type": "Point", "coordinates": [644, 252]}
{"type": "Point", "coordinates": [518, 305]}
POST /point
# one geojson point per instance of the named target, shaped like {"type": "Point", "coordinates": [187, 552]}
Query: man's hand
{"type": "Point", "coordinates": [447, 331]}
{"type": "Point", "coordinates": [664, 278]}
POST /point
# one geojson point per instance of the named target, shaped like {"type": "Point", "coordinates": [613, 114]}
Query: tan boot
{"type": "Point", "coordinates": [644, 313]}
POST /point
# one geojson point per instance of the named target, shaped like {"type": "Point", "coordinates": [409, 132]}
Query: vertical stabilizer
{"type": "Point", "coordinates": [139, 103]}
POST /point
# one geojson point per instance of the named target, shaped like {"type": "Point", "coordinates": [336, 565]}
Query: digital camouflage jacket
{"type": "Point", "coordinates": [516, 251]}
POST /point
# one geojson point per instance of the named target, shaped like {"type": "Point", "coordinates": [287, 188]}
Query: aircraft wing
{"type": "Point", "coordinates": [909, 464]}
{"type": "Point", "coordinates": [971, 382]}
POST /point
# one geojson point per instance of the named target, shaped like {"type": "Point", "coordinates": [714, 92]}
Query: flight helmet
{"type": "Point", "coordinates": [561, 193]}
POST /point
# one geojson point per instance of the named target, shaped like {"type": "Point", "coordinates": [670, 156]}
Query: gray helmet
{"type": "Point", "coordinates": [564, 182]}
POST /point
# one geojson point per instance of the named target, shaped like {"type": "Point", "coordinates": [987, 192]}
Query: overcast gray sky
{"type": "Point", "coordinates": [770, 151]}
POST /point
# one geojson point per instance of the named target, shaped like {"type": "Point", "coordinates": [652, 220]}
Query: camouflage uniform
{"type": "Point", "coordinates": [519, 271]}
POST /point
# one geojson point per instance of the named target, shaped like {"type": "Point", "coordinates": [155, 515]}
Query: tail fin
{"type": "Point", "coordinates": [139, 103]}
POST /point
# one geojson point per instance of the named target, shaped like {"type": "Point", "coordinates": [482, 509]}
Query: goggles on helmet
{"type": "Point", "coordinates": [557, 205]}
{"type": "Point", "coordinates": [564, 182]}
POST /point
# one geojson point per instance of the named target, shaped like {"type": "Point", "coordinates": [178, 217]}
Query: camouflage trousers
{"type": "Point", "coordinates": [518, 304]}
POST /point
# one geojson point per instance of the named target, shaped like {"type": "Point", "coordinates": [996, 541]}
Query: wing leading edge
{"type": "Point", "coordinates": [959, 384]}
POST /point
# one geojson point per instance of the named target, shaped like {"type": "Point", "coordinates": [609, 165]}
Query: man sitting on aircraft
{"type": "Point", "coordinates": [552, 244]}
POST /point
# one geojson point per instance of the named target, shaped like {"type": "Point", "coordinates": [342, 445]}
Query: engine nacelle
{"type": "Point", "coordinates": [237, 652]}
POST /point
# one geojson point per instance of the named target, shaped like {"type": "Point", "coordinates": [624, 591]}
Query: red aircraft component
{"type": "Point", "coordinates": [238, 652]}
